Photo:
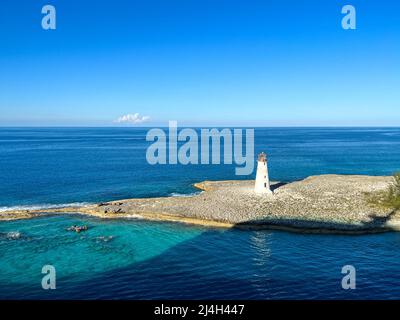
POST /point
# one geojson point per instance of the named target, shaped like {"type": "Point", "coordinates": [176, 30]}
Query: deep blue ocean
{"type": "Point", "coordinates": [134, 259]}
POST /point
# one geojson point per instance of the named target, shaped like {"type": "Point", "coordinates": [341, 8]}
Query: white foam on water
{"type": "Point", "coordinates": [44, 206]}
{"type": "Point", "coordinates": [12, 235]}
{"type": "Point", "coordinates": [134, 216]}
{"type": "Point", "coordinates": [176, 194]}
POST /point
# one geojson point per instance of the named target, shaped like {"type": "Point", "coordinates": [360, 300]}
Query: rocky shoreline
{"type": "Point", "coordinates": [325, 203]}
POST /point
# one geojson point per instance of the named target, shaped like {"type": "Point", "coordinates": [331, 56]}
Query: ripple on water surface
{"type": "Point", "coordinates": [142, 259]}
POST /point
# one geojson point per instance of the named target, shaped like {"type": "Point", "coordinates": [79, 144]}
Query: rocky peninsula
{"type": "Point", "coordinates": [324, 203]}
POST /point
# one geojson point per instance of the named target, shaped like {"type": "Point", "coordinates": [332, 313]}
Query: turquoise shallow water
{"type": "Point", "coordinates": [108, 245]}
{"type": "Point", "coordinates": [117, 259]}
{"type": "Point", "coordinates": [147, 260]}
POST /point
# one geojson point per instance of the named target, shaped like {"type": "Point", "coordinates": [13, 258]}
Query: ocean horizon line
{"type": "Point", "coordinates": [200, 127]}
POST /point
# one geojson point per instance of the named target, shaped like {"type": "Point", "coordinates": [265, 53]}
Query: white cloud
{"type": "Point", "coordinates": [135, 118]}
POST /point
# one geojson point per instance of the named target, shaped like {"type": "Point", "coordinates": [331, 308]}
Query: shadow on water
{"type": "Point", "coordinates": [178, 273]}
{"type": "Point", "coordinates": [374, 224]}
{"type": "Point", "coordinates": [230, 264]}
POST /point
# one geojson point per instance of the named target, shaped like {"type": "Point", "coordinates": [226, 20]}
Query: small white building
{"type": "Point", "coordinates": [262, 179]}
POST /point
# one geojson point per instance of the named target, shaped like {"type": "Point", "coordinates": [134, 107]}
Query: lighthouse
{"type": "Point", "coordinates": [262, 178]}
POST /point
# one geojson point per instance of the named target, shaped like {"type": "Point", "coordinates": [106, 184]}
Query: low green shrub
{"type": "Point", "coordinates": [389, 198]}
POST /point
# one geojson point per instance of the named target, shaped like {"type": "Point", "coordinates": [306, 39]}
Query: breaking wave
{"type": "Point", "coordinates": [177, 194]}
{"type": "Point", "coordinates": [44, 206]}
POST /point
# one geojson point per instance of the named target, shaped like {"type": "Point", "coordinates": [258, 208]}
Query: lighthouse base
{"type": "Point", "coordinates": [263, 191]}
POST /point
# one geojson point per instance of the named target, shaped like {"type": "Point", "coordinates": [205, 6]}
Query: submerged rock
{"type": "Point", "coordinates": [317, 203]}
{"type": "Point", "coordinates": [104, 238]}
{"type": "Point", "coordinates": [77, 229]}
{"type": "Point", "coordinates": [325, 202]}
{"type": "Point", "coordinates": [12, 235]}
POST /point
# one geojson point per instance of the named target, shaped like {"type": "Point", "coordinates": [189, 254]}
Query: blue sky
{"type": "Point", "coordinates": [200, 62]}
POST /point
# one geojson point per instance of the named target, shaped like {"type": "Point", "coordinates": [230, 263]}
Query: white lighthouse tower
{"type": "Point", "coordinates": [262, 179]}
